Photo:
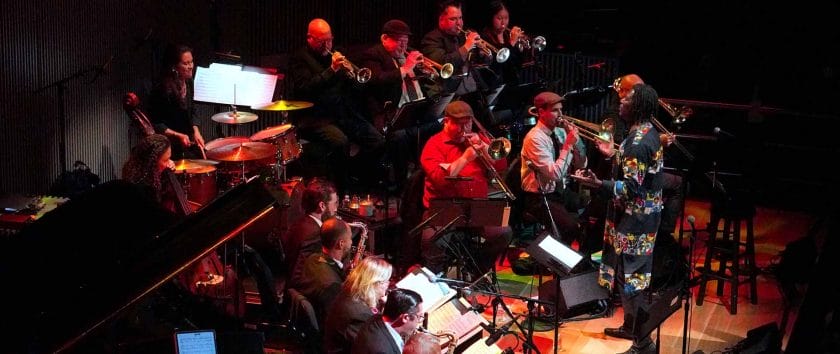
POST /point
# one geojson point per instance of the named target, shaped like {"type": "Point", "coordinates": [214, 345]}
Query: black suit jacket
{"type": "Point", "coordinates": [303, 239]}
{"type": "Point", "coordinates": [320, 281]}
{"type": "Point", "coordinates": [373, 338]}
{"type": "Point", "coordinates": [385, 83]}
{"type": "Point", "coordinates": [345, 318]}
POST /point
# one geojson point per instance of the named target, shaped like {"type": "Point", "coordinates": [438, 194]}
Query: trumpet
{"type": "Point", "coordinates": [444, 71]}
{"type": "Point", "coordinates": [501, 54]}
{"type": "Point", "coordinates": [451, 340]}
{"type": "Point", "coordinates": [594, 132]}
{"type": "Point", "coordinates": [524, 42]}
{"type": "Point", "coordinates": [361, 75]}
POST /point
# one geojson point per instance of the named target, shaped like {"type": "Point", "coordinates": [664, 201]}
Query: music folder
{"type": "Point", "coordinates": [473, 211]}
{"type": "Point", "coordinates": [446, 311]}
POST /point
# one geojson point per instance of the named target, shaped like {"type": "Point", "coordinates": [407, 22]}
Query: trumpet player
{"type": "Point", "coordinates": [550, 150]}
{"type": "Point", "coordinates": [499, 35]}
{"type": "Point", "coordinates": [449, 161]}
{"type": "Point", "coordinates": [319, 74]}
{"type": "Point", "coordinates": [448, 44]}
{"type": "Point", "coordinates": [386, 333]}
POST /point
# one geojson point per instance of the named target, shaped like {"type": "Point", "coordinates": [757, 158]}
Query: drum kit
{"type": "Point", "coordinates": [237, 156]}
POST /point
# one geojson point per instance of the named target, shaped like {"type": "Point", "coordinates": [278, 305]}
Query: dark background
{"type": "Point", "coordinates": [745, 53]}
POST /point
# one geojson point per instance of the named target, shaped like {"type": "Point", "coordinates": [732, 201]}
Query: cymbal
{"type": "Point", "coordinates": [234, 117]}
{"type": "Point", "coordinates": [190, 164]}
{"type": "Point", "coordinates": [245, 151]}
{"type": "Point", "coordinates": [271, 132]}
{"type": "Point", "coordinates": [284, 105]}
{"type": "Point", "coordinates": [217, 143]}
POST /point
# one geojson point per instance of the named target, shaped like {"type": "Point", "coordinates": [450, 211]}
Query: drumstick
{"type": "Point", "coordinates": [203, 155]}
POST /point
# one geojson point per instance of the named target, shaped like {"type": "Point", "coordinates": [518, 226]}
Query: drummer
{"type": "Point", "coordinates": [171, 104]}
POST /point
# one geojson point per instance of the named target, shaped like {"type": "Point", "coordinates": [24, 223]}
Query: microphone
{"type": "Point", "coordinates": [497, 334]}
{"type": "Point", "coordinates": [690, 220]}
{"type": "Point", "coordinates": [725, 133]}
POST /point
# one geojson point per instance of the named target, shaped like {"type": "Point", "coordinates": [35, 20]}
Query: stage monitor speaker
{"type": "Point", "coordinates": [579, 294]}
{"type": "Point", "coordinates": [663, 303]}
{"type": "Point", "coordinates": [765, 339]}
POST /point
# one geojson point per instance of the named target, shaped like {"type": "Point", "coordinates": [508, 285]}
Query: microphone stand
{"type": "Point", "coordinates": [528, 343]}
{"type": "Point", "coordinates": [686, 287]}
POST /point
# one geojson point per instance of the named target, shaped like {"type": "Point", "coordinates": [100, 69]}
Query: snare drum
{"type": "Point", "coordinates": [200, 184]}
{"type": "Point", "coordinates": [217, 143]}
{"type": "Point", "coordinates": [284, 137]}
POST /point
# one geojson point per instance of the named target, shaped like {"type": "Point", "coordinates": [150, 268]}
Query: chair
{"type": "Point", "coordinates": [522, 221]}
{"type": "Point", "coordinates": [303, 322]}
{"type": "Point", "coordinates": [733, 210]}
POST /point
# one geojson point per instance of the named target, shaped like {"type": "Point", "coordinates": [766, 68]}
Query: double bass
{"type": "Point", "coordinates": [210, 279]}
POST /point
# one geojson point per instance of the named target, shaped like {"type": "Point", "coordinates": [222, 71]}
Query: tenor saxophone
{"type": "Point", "coordinates": [451, 340]}
{"type": "Point", "coordinates": [360, 247]}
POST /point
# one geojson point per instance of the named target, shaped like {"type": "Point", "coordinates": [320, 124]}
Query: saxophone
{"type": "Point", "coordinates": [360, 248]}
{"type": "Point", "coordinates": [451, 340]}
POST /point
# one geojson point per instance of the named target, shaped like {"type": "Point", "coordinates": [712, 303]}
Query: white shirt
{"type": "Point", "coordinates": [538, 148]}
{"type": "Point", "coordinates": [317, 220]}
{"type": "Point", "coordinates": [397, 338]}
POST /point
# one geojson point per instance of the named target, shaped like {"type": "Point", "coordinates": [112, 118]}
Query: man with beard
{"type": "Point", "coordinates": [321, 274]}
{"type": "Point", "coordinates": [319, 202]}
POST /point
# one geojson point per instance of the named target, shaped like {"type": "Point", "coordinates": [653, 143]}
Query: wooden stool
{"type": "Point", "coordinates": [727, 250]}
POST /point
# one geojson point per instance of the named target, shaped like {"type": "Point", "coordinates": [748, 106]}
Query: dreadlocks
{"type": "Point", "coordinates": [643, 104]}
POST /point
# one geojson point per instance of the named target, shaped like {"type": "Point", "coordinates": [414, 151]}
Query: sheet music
{"type": "Point", "coordinates": [433, 294]}
{"type": "Point", "coordinates": [229, 84]}
{"type": "Point", "coordinates": [451, 317]}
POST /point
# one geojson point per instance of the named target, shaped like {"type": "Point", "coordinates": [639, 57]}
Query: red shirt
{"type": "Point", "coordinates": [441, 150]}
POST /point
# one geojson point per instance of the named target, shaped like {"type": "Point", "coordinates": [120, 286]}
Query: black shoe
{"type": "Point", "coordinates": [619, 332]}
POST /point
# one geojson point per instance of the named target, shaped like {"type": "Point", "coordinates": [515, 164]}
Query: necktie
{"type": "Point", "coordinates": [556, 142]}
{"type": "Point", "coordinates": [408, 83]}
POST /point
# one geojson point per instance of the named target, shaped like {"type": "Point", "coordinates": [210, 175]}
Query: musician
{"type": "Point", "coordinates": [319, 74]}
{"type": "Point", "coordinates": [672, 183]}
{"type": "Point", "coordinates": [396, 81]}
{"type": "Point", "coordinates": [171, 107]}
{"type": "Point", "coordinates": [319, 201]}
{"type": "Point", "coordinates": [386, 333]}
{"type": "Point", "coordinates": [321, 274]}
{"type": "Point", "coordinates": [453, 153]}
{"type": "Point", "coordinates": [498, 35]}
{"type": "Point", "coordinates": [446, 44]}
{"type": "Point", "coordinates": [629, 242]}
{"type": "Point", "coordinates": [550, 150]}
{"type": "Point", "coordinates": [145, 165]}
{"type": "Point", "coordinates": [362, 296]}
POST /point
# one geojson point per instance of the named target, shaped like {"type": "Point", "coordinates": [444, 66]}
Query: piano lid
{"type": "Point", "coordinates": [69, 274]}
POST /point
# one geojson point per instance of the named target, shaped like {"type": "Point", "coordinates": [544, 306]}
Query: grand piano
{"type": "Point", "coordinates": [72, 275]}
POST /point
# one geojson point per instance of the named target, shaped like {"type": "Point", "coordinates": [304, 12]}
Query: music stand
{"type": "Point", "coordinates": [409, 114]}
{"type": "Point", "coordinates": [466, 212]}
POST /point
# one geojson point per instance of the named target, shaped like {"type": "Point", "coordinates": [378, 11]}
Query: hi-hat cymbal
{"type": "Point", "coordinates": [284, 105]}
{"type": "Point", "coordinates": [234, 117]}
{"type": "Point", "coordinates": [245, 151]}
{"type": "Point", "coordinates": [189, 164]}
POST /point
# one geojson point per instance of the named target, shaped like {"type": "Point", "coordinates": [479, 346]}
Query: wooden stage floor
{"type": "Point", "coordinates": [711, 327]}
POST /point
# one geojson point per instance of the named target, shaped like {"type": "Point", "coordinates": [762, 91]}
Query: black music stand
{"type": "Point", "coordinates": [466, 212]}
{"type": "Point", "coordinates": [409, 114]}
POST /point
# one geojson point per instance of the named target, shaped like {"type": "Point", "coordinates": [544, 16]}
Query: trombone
{"type": "Point", "coordinates": [679, 114]}
{"type": "Point", "coordinates": [524, 42]}
{"type": "Point", "coordinates": [502, 54]}
{"type": "Point", "coordinates": [498, 149]}
{"type": "Point", "coordinates": [361, 75]}
{"type": "Point", "coordinates": [594, 132]}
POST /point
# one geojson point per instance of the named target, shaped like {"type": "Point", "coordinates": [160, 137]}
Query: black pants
{"type": "Point", "coordinates": [560, 204]}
